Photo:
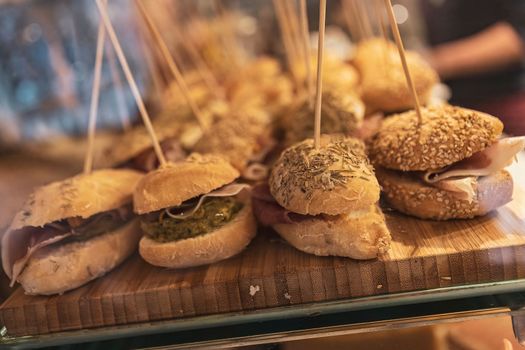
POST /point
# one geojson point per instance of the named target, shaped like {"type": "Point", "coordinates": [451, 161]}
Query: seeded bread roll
{"type": "Point", "coordinates": [335, 179]}
{"type": "Point", "coordinates": [411, 196]}
{"type": "Point", "coordinates": [177, 182]}
{"type": "Point", "coordinates": [448, 134]}
{"type": "Point", "coordinates": [220, 244]}
{"type": "Point", "coordinates": [358, 235]}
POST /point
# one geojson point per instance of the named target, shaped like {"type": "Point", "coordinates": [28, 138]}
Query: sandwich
{"type": "Point", "coordinates": [343, 113]}
{"type": "Point", "coordinates": [71, 232]}
{"type": "Point", "coordinates": [192, 214]}
{"type": "Point", "coordinates": [383, 82]}
{"type": "Point", "coordinates": [244, 139]}
{"type": "Point", "coordinates": [449, 167]}
{"type": "Point", "coordinates": [324, 201]}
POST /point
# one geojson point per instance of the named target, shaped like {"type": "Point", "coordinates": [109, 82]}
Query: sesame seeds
{"type": "Point", "coordinates": [448, 134]}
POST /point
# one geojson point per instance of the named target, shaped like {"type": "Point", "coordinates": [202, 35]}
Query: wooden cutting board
{"type": "Point", "coordinates": [270, 273]}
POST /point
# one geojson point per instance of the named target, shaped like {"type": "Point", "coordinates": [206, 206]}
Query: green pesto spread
{"type": "Point", "coordinates": [212, 214]}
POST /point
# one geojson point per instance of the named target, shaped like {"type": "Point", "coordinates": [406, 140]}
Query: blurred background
{"type": "Point", "coordinates": [47, 52]}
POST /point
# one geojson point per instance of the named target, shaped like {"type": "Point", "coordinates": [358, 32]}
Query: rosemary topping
{"type": "Point", "coordinates": [307, 169]}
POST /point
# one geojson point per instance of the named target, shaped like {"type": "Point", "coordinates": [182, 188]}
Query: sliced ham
{"type": "Point", "coordinates": [463, 188]}
{"type": "Point", "coordinates": [268, 212]}
{"type": "Point", "coordinates": [38, 239]}
{"type": "Point", "coordinates": [225, 191]}
{"type": "Point", "coordinates": [489, 161]}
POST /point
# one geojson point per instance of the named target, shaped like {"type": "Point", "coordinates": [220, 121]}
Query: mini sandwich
{"type": "Point", "coordinates": [450, 167]}
{"type": "Point", "coordinates": [343, 113]}
{"type": "Point", "coordinates": [71, 232]}
{"type": "Point", "coordinates": [244, 139]}
{"type": "Point", "coordinates": [383, 82]}
{"type": "Point", "coordinates": [192, 214]}
{"type": "Point", "coordinates": [324, 201]}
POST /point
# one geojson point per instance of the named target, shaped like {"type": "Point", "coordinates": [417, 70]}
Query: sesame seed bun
{"type": "Point", "coordinates": [220, 244]}
{"type": "Point", "coordinates": [58, 268]}
{"type": "Point", "coordinates": [359, 235]}
{"type": "Point", "coordinates": [79, 196]}
{"type": "Point", "coordinates": [448, 134]}
{"type": "Point", "coordinates": [175, 183]}
{"type": "Point", "coordinates": [333, 180]}
{"type": "Point", "coordinates": [411, 196]}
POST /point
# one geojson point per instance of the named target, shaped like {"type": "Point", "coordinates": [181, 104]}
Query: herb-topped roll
{"type": "Point", "coordinates": [192, 214]}
{"type": "Point", "coordinates": [325, 200]}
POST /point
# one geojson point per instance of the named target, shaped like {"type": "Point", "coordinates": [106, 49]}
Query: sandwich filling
{"type": "Point", "coordinates": [69, 230]}
{"type": "Point", "coordinates": [196, 216]}
{"type": "Point", "coordinates": [461, 177]}
{"type": "Point", "coordinates": [170, 224]}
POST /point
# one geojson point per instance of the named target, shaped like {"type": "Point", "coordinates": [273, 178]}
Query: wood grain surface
{"type": "Point", "coordinates": [270, 273]}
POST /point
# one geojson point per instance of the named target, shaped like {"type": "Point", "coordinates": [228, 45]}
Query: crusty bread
{"type": "Point", "coordinates": [220, 244]}
{"type": "Point", "coordinates": [448, 134]}
{"type": "Point", "coordinates": [343, 113]}
{"type": "Point", "coordinates": [383, 82]}
{"type": "Point", "coordinates": [411, 196]}
{"type": "Point", "coordinates": [79, 196]}
{"type": "Point", "coordinates": [359, 235]}
{"type": "Point", "coordinates": [61, 267]}
{"type": "Point", "coordinates": [335, 179]}
{"type": "Point", "coordinates": [175, 183]}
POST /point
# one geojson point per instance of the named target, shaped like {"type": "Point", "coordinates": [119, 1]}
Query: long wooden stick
{"type": "Point", "coordinates": [119, 94]}
{"type": "Point", "coordinates": [365, 17]}
{"type": "Point", "coordinates": [350, 22]}
{"type": "Point", "coordinates": [306, 52]}
{"type": "Point", "coordinates": [131, 81]}
{"type": "Point", "coordinates": [320, 55]}
{"type": "Point", "coordinates": [290, 12]}
{"type": "Point", "coordinates": [172, 65]}
{"type": "Point", "coordinates": [95, 93]}
{"type": "Point", "coordinates": [291, 54]}
{"type": "Point", "coordinates": [401, 49]}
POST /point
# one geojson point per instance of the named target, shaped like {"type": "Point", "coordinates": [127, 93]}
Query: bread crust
{"type": "Point", "coordinates": [345, 182]}
{"type": "Point", "coordinates": [218, 245]}
{"type": "Point", "coordinates": [58, 268]}
{"type": "Point", "coordinates": [448, 134]}
{"type": "Point", "coordinates": [79, 196]}
{"type": "Point", "coordinates": [177, 182]}
{"type": "Point", "coordinates": [383, 82]}
{"type": "Point", "coordinates": [411, 196]}
{"type": "Point", "coordinates": [361, 235]}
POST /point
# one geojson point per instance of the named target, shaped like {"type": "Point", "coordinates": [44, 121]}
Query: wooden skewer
{"type": "Point", "coordinates": [354, 9]}
{"type": "Point", "coordinates": [172, 65]}
{"type": "Point", "coordinates": [290, 12]}
{"type": "Point", "coordinates": [363, 13]}
{"type": "Point", "coordinates": [350, 23]}
{"type": "Point", "coordinates": [95, 93]}
{"type": "Point", "coordinates": [131, 81]}
{"type": "Point", "coordinates": [119, 94]}
{"type": "Point", "coordinates": [384, 35]}
{"type": "Point", "coordinates": [320, 55]}
{"type": "Point", "coordinates": [306, 52]}
{"type": "Point", "coordinates": [401, 49]}
{"type": "Point", "coordinates": [291, 54]}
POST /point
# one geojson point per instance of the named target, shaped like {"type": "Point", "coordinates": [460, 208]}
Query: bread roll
{"type": "Point", "coordinates": [177, 182]}
{"type": "Point", "coordinates": [61, 267]}
{"type": "Point", "coordinates": [412, 196]}
{"type": "Point", "coordinates": [358, 235]}
{"type": "Point", "coordinates": [217, 245]}
{"type": "Point", "coordinates": [335, 179]}
{"type": "Point", "coordinates": [448, 134]}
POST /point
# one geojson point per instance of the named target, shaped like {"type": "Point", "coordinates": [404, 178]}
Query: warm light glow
{"type": "Point", "coordinates": [401, 13]}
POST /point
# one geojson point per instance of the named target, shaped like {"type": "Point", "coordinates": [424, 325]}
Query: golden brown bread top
{"type": "Point", "coordinates": [448, 134]}
{"type": "Point", "coordinates": [335, 179]}
{"type": "Point", "coordinates": [175, 183]}
{"type": "Point", "coordinates": [79, 196]}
